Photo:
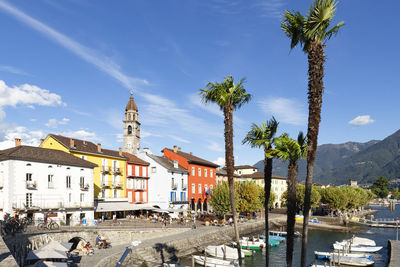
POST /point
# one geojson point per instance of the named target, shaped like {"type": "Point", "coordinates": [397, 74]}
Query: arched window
{"type": "Point", "coordinates": [129, 129]}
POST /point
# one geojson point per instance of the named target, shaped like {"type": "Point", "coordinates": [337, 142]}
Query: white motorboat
{"type": "Point", "coordinates": [360, 248]}
{"type": "Point", "coordinates": [213, 262]}
{"type": "Point", "coordinates": [327, 255]}
{"type": "Point", "coordinates": [223, 252]}
{"type": "Point", "coordinates": [352, 261]}
{"type": "Point", "coordinates": [359, 241]}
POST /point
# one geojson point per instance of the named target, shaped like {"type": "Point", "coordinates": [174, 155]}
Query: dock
{"type": "Point", "coordinates": [394, 253]}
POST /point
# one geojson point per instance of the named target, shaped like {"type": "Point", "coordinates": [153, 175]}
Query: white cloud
{"type": "Point", "coordinates": [270, 8]}
{"type": "Point", "coordinates": [214, 146]}
{"type": "Point", "coordinates": [33, 120]}
{"type": "Point", "coordinates": [361, 120]}
{"type": "Point", "coordinates": [82, 134]}
{"type": "Point", "coordinates": [179, 139]}
{"type": "Point", "coordinates": [9, 133]}
{"type": "Point", "coordinates": [284, 110]}
{"type": "Point", "coordinates": [195, 99]}
{"type": "Point", "coordinates": [220, 161]}
{"type": "Point", "coordinates": [53, 123]}
{"type": "Point", "coordinates": [13, 70]}
{"type": "Point", "coordinates": [103, 63]}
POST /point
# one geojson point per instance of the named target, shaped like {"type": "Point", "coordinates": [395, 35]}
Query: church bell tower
{"type": "Point", "coordinates": [131, 128]}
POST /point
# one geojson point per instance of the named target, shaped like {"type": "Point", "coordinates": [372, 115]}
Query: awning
{"type": "Point", "coordinates": [120, 206]}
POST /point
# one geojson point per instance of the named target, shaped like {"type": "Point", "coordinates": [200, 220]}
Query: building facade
{"type": "Point", "coordinates": [131, 128]}
{"type": "Point", "coordinates": [168, 183]}
{"type": "Point", "coordinates": [109, 177]}
{"type": "Point", "coordinates": [137, 179]}
{"type": "Point", "coordinates": [38, 181]}
{"type": "Point", "coordinates": [201, 178]}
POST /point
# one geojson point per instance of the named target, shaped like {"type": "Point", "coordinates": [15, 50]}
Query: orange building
{"type": "Point", "coordinates": [201, 177]}
{"type": "Point", "coordinates": [137, 188]}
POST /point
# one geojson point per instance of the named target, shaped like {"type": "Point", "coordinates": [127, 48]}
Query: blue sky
{"type": "Point", "coordinates": [68, 66]}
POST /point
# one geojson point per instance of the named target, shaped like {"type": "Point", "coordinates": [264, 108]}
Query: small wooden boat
{"type": "Point", "coordinates": [352, 261]}
{"type": "Point", "coordinates": [327, 255]}
{"type": "Point", "coordinates": [213, 262]}
{"type": "Point", "coordinates": [223, 252]}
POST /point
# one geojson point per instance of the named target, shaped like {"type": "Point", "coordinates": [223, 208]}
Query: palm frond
{"type": "Point", "coordinates": [262, 135]}
{"type": "Point", "coordinates": [292, 25]}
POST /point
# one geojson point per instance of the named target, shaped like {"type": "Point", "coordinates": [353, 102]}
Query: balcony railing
{"type": "Point", "coordinates": [105, 169]}
{"type": "Point", "coordinates": [140, 188]}
{"type": "Point", "coordinates": [117, 185]}
{"type": "Point", "coordinates": [174, 186]}
{"type": "Point", "coordinates": [184, 186]}
{"type": "Point", "coordinates": [84, 187]}
{"type": "Point", "coordinates": [117, 170]}
{"type": "Point", "coordinates": [105, 185]}
{"type": "Point", "coordinates": [31, 185]}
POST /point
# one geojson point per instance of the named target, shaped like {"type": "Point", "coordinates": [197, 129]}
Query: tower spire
{"type": "Point", "coordinates": [131, 92]}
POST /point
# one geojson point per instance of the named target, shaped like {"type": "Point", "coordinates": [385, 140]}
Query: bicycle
{"type": "Point", "coordinates": [52, 225]}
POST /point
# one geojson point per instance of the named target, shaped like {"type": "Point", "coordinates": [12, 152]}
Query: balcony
{"type": "Point", "coordinates": [105, 185]}
{"type": "Point", "coordinates": [31, 185]}
{"type": "Point", "coordinates": [117, 171]}
{"type": "Point", "coordinates": [174, 186]}
{"type": "Point", "coordinates": [117, 185]}
{"type": "Point", "coordinates": [106, 170]}
{"type": "Point", "coordinates": [84, 187]}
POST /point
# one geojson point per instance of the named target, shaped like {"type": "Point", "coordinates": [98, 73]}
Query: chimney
{"type": "Point", "coordinates": [71, 142]}
{"type": "Point", "coordinates": [41, 140]}
{"type": "Point", "coordinates": [120, 151]}
{"type": "Point", "coordinates": [17, 142]}
{"type": "Point", "coordinates": [99, 147]}
{"type": "Point", "coordinates": [175, 149]}
{"type": "Point", "coordinates": [179, 149]}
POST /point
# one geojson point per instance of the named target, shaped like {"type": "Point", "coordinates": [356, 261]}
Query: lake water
{"type": "Point", "coordinates": [323, 240]}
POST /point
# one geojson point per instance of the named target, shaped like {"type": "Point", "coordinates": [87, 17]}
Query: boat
{"type": "Point", "coordinates": [280, 233]}
{"type": "Point", "coordinates": [360, 248]}
{"type": "Point", "coordinates": [274, 237]}
{"type": "Point", "coordinates": [213, 262]}
{"type": "Point", "coordinates": [352, 261]}
{"type": "Point", "coordinates": [358, 241]}
{"type": "Point", "coordinates": [223, 251]}
{"type": "Point", "coordinates": [327, 255]}
{"type": "Point", "coordinates": [247, 244]}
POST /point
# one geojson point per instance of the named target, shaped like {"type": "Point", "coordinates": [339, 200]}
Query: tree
{"type": "Point", "coordinates": [263, 136]}
{"type": "Point", "coordinates": [311, 33]}
{"type": "Point", "coordinates": [249, 197]}
{"type": "Point", "coordinates": [290, 150]}
{"type": "Point", "coordinates": [261, 195]}
{"type": "Point", "coordinates": [300, 192]}
{"type": "Point", "coordinates": [219, 198]}
{"type": "Point", "coordinates": [229, 97]}
{"type": "Point", "coordinates": [380, 187]}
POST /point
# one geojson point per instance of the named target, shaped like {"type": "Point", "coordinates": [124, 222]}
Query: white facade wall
{"type": "Point", "coordinates": [160, 184]}
{"type": "Point", "coordinates": [47, 197]}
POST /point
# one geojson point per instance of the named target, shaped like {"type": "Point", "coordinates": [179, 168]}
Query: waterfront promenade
{"type": "Point", "coordinates": [394, 260]}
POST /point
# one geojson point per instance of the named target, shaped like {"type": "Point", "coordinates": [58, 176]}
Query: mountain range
{"type": "Point", "coordinates": [337, 163]}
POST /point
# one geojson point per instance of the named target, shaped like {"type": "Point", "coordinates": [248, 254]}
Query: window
{"type": "Point", "coordinates": [211, 173]}
{"type": "Point", "coordinates": [50, 181]}
{"type": "Point", "coordinates": [205, 172]}
{"type": "Point", "coordinates": [143, 171]}
{"type": "Point", "coordinates": [183, 183]}
{"type": "Point", "coordinates": [68, 181]}
{"type": "Point", "coordinates": [102, 193]}
{"type": "Point", "coordinates": [199, 172]}
{"type": "Point", "coordinates": [82, 197]}
{"type": "Point", "coordinates": [129, 170]}
{"type": "Point", "coordinates": [129, 129]}
{"type": "Point", "coordinates": [175, 164]}
{"type": "Point", "coordinates": [173, 182]}
{"type": "Point", "coordinates": [70, 197]}
{"type": "Point", "coordinates": [173, 196]}
{"type": "Point", "coordinates": [29, 177]}
{"type": "Point", "coordinates": [28, 202]}
{"type": "Point", "coordinates": [137, 171]}
{"type": "Point", "coordinates": [193, 189]}
{"type": "Point", "coordinates": [193, 172]}
{"type": "Point", "coordinates": [183, 196]}
{"type": "Point", "coordinates": [115, 193]}
{"type": "Point", "coordinates": [199, 189]}
{"type": "Point", "coordinates": [205, 188]}
{"type": "Point", "coordinates": [82, 181]}
{"type": "Point", "coordinates": [153, 169]}
{"type": "Point", "coordinates": [144, 196]}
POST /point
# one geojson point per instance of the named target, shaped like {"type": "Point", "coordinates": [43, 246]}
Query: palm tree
{"type": "Point", "coordinates": [229, 97]}
{"type": "Point", "coordinates": [311, 33]}
{"type": "Point", "coordinates": [263, 136]}
{"type": "Point", "coordinates": [288, 149]}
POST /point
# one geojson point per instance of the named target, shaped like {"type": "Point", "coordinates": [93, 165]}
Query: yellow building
{"type": "Point", "coordinates": [110, 175]}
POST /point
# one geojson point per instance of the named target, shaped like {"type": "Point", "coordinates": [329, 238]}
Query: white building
{"type": "Point", "coordinates": [168, 182]}
{"type": "Point", "coordinates": [37, 181]}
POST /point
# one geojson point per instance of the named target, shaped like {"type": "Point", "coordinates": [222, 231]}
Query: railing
{"type": "Point", "coordinates": [117, 185]}
{"type": "Point", "coordinates": [117, 170]}
{"type": "Point", "coordinates": [31, 185]}
{"type": "Point", "coordinates": [184, 186]}
{"type": "Point", "coordinates": [105, 185]}
{"type": "Point", "coordinates": [84, 187]}
{"type": "Point", "coordinates": [105, 169]}
{"type": "Point", "coordinates": [140, 188]}
{"type": "Point", "coordinates": [174, 186]}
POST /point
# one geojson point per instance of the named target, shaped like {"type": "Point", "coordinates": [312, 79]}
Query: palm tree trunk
{"type": "Point", "coordinates": [229, 162]}
{"type": "Point", "coordinates": [291, 211]}
{"type": "Point", "coordinates": [316, 59]}
{"type": "Point", "coordinates": [267, 193]}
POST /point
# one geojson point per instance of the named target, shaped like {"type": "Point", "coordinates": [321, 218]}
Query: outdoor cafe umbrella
{"type": "Point", "coordinates": [40, 254]}
{"type": "Point", "coordinates": [62, 246]}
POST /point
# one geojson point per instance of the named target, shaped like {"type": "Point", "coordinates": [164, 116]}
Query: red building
{"type": "Point", "coordinates": [137, 184]}
{"type": "Point", "coordinates": [201, 176]}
